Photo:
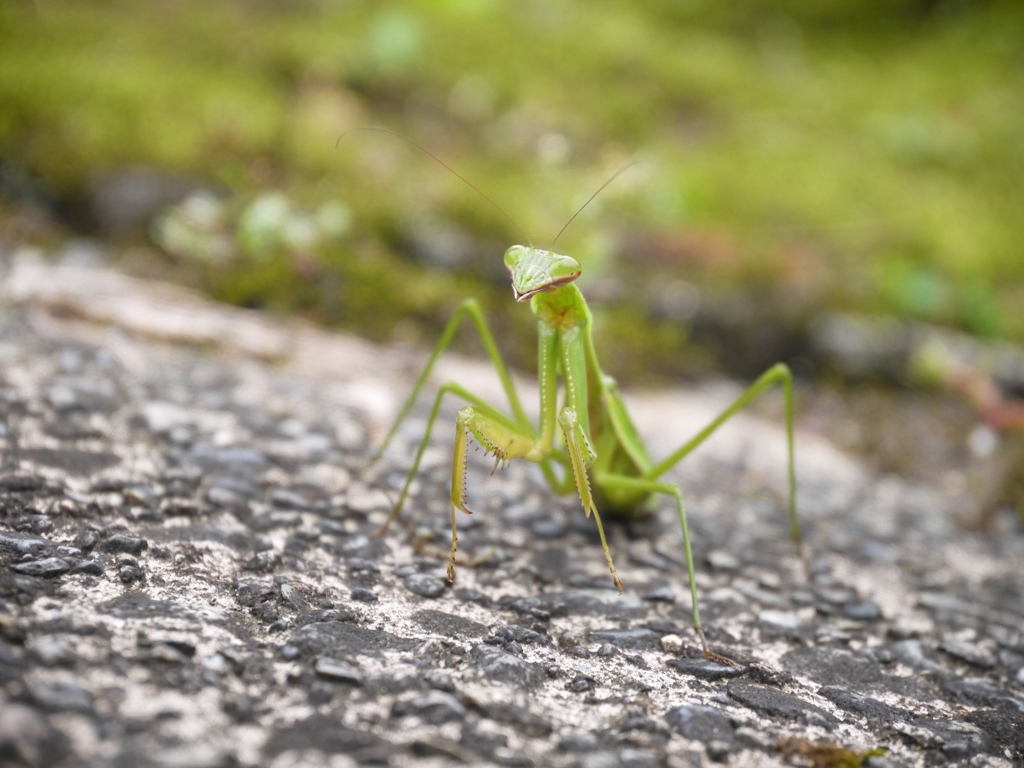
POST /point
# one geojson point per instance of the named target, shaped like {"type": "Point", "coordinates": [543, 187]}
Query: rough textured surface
{"type": "Point", "coordinates": [188, 575]}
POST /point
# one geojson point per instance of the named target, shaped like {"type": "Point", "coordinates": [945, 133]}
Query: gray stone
{"type": "Point", "coordinates": [828, 666]}
{"type": "Point", "coordinates": [90, 567]}
{"type": "Point", "coordinates": [595, 602]}
{"type": "Point", "coordinates": [700, 723]}
{"type": "Point", "coordinates": [20, 481]}
{"type": "Point", "coordinates": [863, 611]}
{"type": "Point", "coordinates": [231, 493]}
{"type": "Point", "coordinates": [51, 652]}
{"type": "Point", "coordinates": [775, 703]}
{"type": "Point", "coordinates": [448, 624]}
{"type": "Point", "coordinates": [329, 736]}
{"type": "Point", "coordinates": [577, 742]}
{"type": "Point", "coordinates": [162, 417]}
{"type": "Point", "coordinates": [956, 740]}
{"type": "Point", "coordinates": [439, 680]}
{"type": "Point", "coordinates": [434, 707]}
{"type": "Point", "coordinates": [860, 704]}
{"type": "Point", "coordinates": [632, 639]}
{"type": "Point", "coordinates": [70, 460]}
{"type": "Point", "coordinates": [21, 544]}
{"type": "Point", "coordinates": [497, 665]}
{"type": "Point", "coordinates": [28, 738]}
{"type": "Point", "coordinates": [637, 758]}
{"type": "Point", "coordinates": [781, 619]}
{"type": "Point", "coordinates": [662, 594]}
{"type": "Point", "coordinates": [123, 542]}
{"type": "Point", "coordinates": [425, 585]}
{"type": "Point", "coordinates": [547, 529]}
{"type": "Point", "coordinates": [239, 665]}
{"type": "Point", "coordinates": [243, 463]}
{"type": "Point", "coordinates": [62, 695]}
{"type": "Point", "coordinates": [705, 669]}
{"type": "Point", "coordinates": [48, 568]}
{"type": "Point", "coordinates": [338, 639]}
{"type": "Point", "coordinates": [340, 671]}
{"type": "Point", "coordinates": [515, 633]}
{"type": "Point", "coordinates": [194, 757]}
{"type": "Point", "coordinates": [581, 684]}
{"type": "Point", "coordinates": [135, 605]}
{"type": "Point", "coordinates": [969, 652]}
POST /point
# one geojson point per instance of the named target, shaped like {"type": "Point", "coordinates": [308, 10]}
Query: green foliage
{"type": "Point", "coordinates": [863, 154]}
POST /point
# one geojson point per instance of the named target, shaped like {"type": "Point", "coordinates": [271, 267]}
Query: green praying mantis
{"type": "Point", "coordinates": [604, 460]}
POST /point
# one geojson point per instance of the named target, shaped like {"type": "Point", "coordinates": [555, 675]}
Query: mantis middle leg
{"type": "Point", "coordinates": [641, 485]}
{"type": "Point", "coordinates": [649, 483]}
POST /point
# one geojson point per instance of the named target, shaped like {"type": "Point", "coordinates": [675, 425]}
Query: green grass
{"type": "Point", "coordinates": [860, 155]}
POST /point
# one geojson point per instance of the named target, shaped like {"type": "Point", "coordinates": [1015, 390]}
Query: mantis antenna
{"type": "Point", "coordinates": [591, 199]}
{"type": "Point", "coordinates": [446, 166]}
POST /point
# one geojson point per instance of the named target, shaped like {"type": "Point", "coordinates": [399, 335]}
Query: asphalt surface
{"type": "Point", "coordinates": [188, 575]}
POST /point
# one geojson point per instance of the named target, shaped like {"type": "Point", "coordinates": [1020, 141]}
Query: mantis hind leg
{"type": "Point", "coordinates": [779, 373]}
{"type": "Point", "coordinates": [640, 485]}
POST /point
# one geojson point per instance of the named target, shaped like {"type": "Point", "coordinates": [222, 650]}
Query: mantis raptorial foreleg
{"type": "Point", "coordinates": [580, 456]}
{"type": "Point", "coordinates": [469, 308]}
{"type": "Point", "coordinates": [503, 439]}
{"type": "Point", "coordinates": [499, 436]}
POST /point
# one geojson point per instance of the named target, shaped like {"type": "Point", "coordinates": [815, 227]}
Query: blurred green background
{"type": "Point", "coordinates": [794, 157]}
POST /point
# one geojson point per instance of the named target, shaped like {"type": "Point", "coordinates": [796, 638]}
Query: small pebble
{"type": "Point", "coordinates": [123, 542]}
{"type": "Point", "coordinates": [435, 707]}
{"type": "Point", "coordinates": [783, 619]}
{"type": "Point", "coordinates": [51, 652]}
{"type": "Point", "coordinates": [663, 594]}
{"type": "Point", "coordinates": [424, 585]}
{"type": "Point", "coordinates": [672, 643]}
{"type": "Point", "coordinates": [547, 529]}
{"type": "Point", "coordinates": [722, 561]}
{"type": "Point", "coordinates": [577, 742]}
{"type": "Point", "coordinates": [129, 574]}
{"type": "Point", "coordinates": [572, 637]}
{"type": "Point", "coordinates": [581, 684]}
{"type": "Point", "coordinates": [862, 611]}
{"type": "Point", "coordinates": [440, 680]}
{"type": "Point", "coordinates": [88, 567]}
{"type": "Point", "coordinates": [340, 671]}
{"type": "Point", "coordinates": [47, 568]}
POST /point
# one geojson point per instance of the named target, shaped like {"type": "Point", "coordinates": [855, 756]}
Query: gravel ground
{"type": "Point", "coordinates": [188, 576]}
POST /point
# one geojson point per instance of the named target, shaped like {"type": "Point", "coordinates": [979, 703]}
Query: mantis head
{"type": "Point", "coordinates": [535, 271]}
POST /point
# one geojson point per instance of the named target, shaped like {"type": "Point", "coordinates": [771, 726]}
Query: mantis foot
{"type": "Point", "coordinates": [710, 655]}
{"type": "Point", "coordinates": [725, 661]}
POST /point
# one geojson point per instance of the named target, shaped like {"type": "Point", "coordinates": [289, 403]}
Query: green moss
{"type": "Point", "coordinates": [861, 154]}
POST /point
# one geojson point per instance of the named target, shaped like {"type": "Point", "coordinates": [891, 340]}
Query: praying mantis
{"type": "Point", "coordinates": [605, 460]}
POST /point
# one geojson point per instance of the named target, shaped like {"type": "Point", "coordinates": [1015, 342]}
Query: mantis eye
{"type": "Point", "coordinates": [513, 256]}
